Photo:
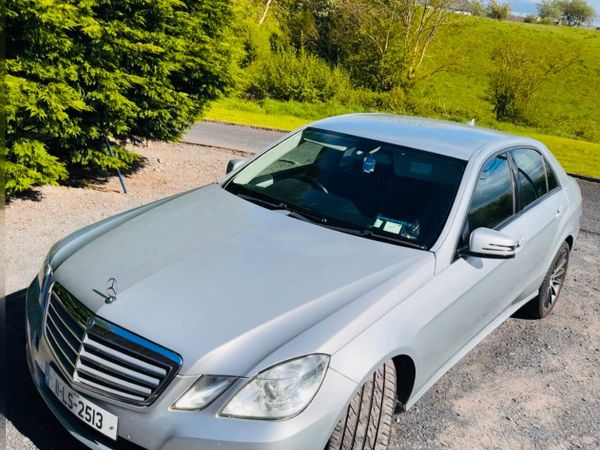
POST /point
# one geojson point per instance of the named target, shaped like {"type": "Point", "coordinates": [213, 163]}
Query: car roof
{"type": "Point", "coordinates": [436, 136]}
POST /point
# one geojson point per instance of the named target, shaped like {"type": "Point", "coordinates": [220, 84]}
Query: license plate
{"type": "Point", "coordinates": [96, 417]}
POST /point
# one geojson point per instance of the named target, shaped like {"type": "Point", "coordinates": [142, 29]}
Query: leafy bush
{"type": "Point", "coordinates": [571, 12]}
{"type": "Point", "coordinates": [518, 75]}
{"type": "Point", "coordinates": [497, 10]}
{"type": "Point", "coordinates": [130, 69]}
{"type": "Point", "coordinates": [286, 75]}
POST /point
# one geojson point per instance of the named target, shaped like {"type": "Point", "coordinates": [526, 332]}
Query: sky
{"type": "Point", "coordinates": [523, 7]}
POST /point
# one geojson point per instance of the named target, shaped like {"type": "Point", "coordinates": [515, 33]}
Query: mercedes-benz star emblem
{"type": "Point", "coordinates": [112, 289]}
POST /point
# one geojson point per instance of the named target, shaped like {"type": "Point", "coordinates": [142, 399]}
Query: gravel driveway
{"type": "Point", "coordinates": [531, 384]}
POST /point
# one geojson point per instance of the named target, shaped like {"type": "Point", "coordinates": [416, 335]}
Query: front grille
{"type": "Point", "coordinates": [101, 357]}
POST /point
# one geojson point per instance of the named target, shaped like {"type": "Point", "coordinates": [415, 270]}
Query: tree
{"type": "Point", "coordinates": [517, 76]}
{"type": "Point", "coordinates": [128, 69]}
{"type": "Point", "coordinates": [550, 10]}
{"type": "Point", "coordinates": [577, 12]}
{"type": "Point", "coordinates": [385, 41]}
{"type": "Point", "coordinates": [497, 10]}
{"type": "Point", "coordinates": [571, 12]}
{"type": "Point", "coordinates": [310, 25]}
{"type": "Point", "coordinates": [477, 8]}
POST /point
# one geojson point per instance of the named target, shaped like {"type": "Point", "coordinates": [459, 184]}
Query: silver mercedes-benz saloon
{"type": "Point", "coordinates": [301, 301]}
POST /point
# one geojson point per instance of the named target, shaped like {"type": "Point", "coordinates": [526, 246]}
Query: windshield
{"type": "Point", "coordinates": [356, 185]}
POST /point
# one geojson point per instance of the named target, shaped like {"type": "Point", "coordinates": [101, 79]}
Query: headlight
{"type": "Point", "coordinates": [203, 392]}
{"type": "Point", "coordinates": [280, 392]}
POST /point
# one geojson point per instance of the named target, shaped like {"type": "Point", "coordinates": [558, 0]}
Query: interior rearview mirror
{"type": "Point", "coordinates": [487, 243]}
{"type": "Point", "coordinates": [233, 164]}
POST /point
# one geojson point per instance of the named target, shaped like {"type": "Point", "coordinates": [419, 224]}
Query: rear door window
{"type": "Point", "coordinates": [552, 180]}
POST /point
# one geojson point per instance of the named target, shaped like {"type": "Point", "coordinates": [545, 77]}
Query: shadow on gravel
{"type": "Point", "coordinates": [24, 406]}
{"type": "Point", "coordinates": [82, 178]}
{"type": "Point", "coordinates": [32, 195]}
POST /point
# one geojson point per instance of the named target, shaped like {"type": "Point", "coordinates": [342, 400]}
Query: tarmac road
{"type": "Point", "coordinates": [232, 137]}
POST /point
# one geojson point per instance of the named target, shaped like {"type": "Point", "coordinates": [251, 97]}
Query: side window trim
{"type": "Point", "coordinates": [548, 169]}
{"type": "Point", "coordinates": [516, 212]}
{"type": "Point", "coordinates": [537, 201]}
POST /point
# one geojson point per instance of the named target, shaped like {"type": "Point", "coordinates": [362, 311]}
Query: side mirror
{"type": "Point", "coordinates": [233, 164]}
{"type": "Point", "coordinates": [487, 243]}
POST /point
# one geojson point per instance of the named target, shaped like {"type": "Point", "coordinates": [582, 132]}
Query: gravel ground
{"type": "Point", "coordinates": [531, 384]}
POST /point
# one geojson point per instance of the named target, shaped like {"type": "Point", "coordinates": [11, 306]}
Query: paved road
{"type": "Point", "coordinates": [231, 137]}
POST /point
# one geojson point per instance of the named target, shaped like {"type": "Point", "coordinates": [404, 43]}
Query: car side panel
{"type": "Point", "coordinates": [543, 226]}
{"type": "Point", "coordinates": [482, 288]}
{"type": "Point", "coordinates": [417, 327]}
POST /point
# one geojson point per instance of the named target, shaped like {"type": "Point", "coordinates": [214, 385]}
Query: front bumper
{"type": "Point", "coordinates": [157, 427]}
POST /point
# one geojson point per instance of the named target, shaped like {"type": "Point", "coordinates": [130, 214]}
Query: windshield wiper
{"type": "Point", "coordinates": [292, 212]}
{"type": "Point", "coordinates": [267, 203]}
{"type": "Point", "coordinates": [309, 217]}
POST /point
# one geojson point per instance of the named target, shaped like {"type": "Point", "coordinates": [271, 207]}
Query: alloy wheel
{"type": "Point", "coordinates": [557, 278]}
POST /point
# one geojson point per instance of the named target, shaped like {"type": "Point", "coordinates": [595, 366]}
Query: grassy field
{"type": "Point", "coordinates": [576, 156]}
{"type": "Point", "coordinates": [566, 108]}
{"type": "Point", "coordinates": [568, 104]}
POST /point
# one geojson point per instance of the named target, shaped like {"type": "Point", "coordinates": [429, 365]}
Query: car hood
{"type": "Point", "coordinates": [224, 282]}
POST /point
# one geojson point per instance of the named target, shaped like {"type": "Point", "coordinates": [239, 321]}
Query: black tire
{"type": "Point", "coordinates": [542, 305]}
{"type": "Point", "coordinates": [367, 424]}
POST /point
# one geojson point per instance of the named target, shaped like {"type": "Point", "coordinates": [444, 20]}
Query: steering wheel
{"type": "Point", "coordinates": [313, 182]}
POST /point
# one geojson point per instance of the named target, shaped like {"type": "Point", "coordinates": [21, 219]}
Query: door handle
{"type": "Point", "coordinates": [560, 210]}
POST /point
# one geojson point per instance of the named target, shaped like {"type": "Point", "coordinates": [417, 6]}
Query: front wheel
{"type": "Point", "coordinates": [367, 424]}
{"type": "Point", "coordinates": [543, 304]}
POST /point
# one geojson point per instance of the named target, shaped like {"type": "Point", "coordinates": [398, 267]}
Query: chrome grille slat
{"type": "Point", "coordinates": [62, 352]}
{"type": "Point", "coordinates": [103, 358]}
{"type": "Point", "coordinates": [121, 370]}
{"type": "Point", "coordinates": [101, 387]}
{"type": "Point", "coordinates": [60, 333]}
{"type": "Point", "coordinates": [118, 383]}
{"type": "Point", "coordinates": [123, 357]}
{"type": "Point", "coordinates": [57, 314]}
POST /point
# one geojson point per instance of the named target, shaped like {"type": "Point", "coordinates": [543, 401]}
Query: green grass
{"type": "Point", "coordinates": [576, 156]}
{"type": "Point", "coordinates": [568, 104]}
{"type": "Point", "coordinates": [567, 107]}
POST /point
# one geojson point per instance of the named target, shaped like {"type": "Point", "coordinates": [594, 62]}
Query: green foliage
{"type": "Point", "coordinates": [513, 83]}
{"type": "Point", "coordinates": [576, 156]}
{"type": "Point", "coordinates": [311, 25]}
{"type": "Point", "coordinates": [383, 43]}
{"type": "Point", "coordinates": [461, 90]}
{"type": "Point", "coordinates": [286, 75]}
{"type": "Point", "coordinates": [30, 165]}
{"type": "Point", "coordinates": [577, 12]}
{"type": "Point", "coordinates": [130, 69]}
{"type": "Point", "coordinates": [550, 10]}
{"type": "Point", "coordinates": [477, 8]}
{"type": "Point", "coordinates": [564, 105]}
{"type": "Point", "coordinates": [571, 12]}
{"type": "Point", "coordinates": [496, 10]}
